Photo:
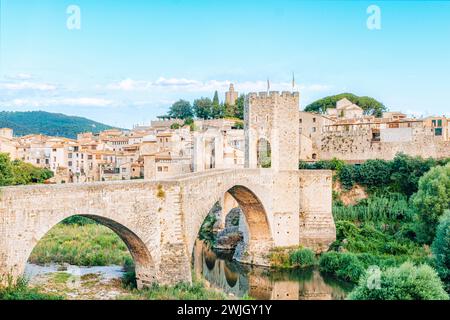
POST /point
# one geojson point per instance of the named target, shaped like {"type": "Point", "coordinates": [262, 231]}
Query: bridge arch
{"type": "Point", "coordinates": [254, 212]}
{"type": "Point", "coordinates": [259, 239]}
{"type": "Point", "coordinates": [144, 264]}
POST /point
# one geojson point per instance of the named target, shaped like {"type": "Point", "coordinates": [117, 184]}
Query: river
{"type": "Point", "coordinates": [216, 267]}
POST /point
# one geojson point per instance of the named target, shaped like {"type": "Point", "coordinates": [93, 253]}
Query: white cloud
{"type": "Point", "coordinates": [20, 76]}
{"type": "Point", "coordinates": [191, 85]}
{"type": "Point", "coordinates": [49, 102]}
{"type": "Point", "coordinates": [27, 85]}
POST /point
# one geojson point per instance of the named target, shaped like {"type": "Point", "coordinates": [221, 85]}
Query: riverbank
{"type": "Point", "coordinates": [80, 245]}
{"type": "Point", "coordinates": [99, 283]}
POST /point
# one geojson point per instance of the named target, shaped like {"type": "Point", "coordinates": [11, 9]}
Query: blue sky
{"type": "Point", "coordinates": [131, 59]}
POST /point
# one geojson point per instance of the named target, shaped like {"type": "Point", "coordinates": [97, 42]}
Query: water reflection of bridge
{"type": "Point", "coordinates": [262, 283]}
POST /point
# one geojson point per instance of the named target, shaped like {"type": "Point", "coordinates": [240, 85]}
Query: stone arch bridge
{"type": "Point", "coordinates": [160, 220]}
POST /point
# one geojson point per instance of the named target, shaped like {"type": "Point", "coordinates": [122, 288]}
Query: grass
{"type": "Point", "coordinates": [292, 257]}
{"type": "Point", "coordinates": [390, 208]}
{"type": "Point", "coordinates": [21, 291]}
{"type": "Point", "coordinates": [180, 291]}
{"type": "Point", "coordinates": [87, 245]}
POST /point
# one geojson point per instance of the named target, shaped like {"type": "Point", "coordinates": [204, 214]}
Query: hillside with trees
{"type": "Point", "coordinates": [50, 124]}
{"type": "Point", "coordinates": [368, 104]}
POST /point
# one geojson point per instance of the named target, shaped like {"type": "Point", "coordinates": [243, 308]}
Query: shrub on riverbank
{"type": "Point", "coordinates": [180, 291]}
{"type": "Point", "coordinates": [302, 258]}
{"type": "Point", "coordinates": [345, 266]}
{"type": "Point", "coordinates": [388, 208]}
{"type": "Point", "coordinates": [432, 199]}
{"type": "Point", "coordinates": [88, 245]}
{"type": "Point", "coordinates": [21, 291]}
{"type": "Point", "coordinates": [378, 239]}
{"type": "Point", "coordinates": [406, 282]}
{"type": "Point", "coordinates": [291, 257]}
{"type": "Point", "coordinates": [441, 249]}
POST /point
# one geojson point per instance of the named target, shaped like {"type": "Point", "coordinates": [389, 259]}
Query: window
{"type": "Point", "coordinates": [69, 156]}
{"type": "Point", "coordinates": [70, 163]}
{"type": "Point", "coordinates": [439, 123]}
{"type": "Point", "coordinates": [433, 122]}
{"type": "Point", "coordinates": [54, 150]}
{"type": "Point", "coordinates": [438, 132]}
{"type": "Point", "coordinates": [124, 170]}
{"type": "Point", "coordinates": [300, 120]}
{"type": "Point", "coordinates": [38, 161]}
{"type": "Point", "coordinates": [166, 169]}
{"type": "Point", "coordinates": [47, 161]}
{"type": "Point", "coordinates": [313, 129]}
{"type": "Point", "coordinates": [314, 119]}
{"type": "Point", "coordinates": [393, 125]}
{"type": "Point", "coordinates": [89, 156]}
{"type": "Point", "coordinates": [375, 136]}
{"type": "Point", "coordinates": [159, 169]}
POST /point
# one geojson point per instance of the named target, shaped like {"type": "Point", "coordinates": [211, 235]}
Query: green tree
{"type": "Point", "coordinates": [441, 249]}
{"type": "Point", "coordinates": [432, 198]}
{"type": "Point", "coordinates": [218, 109]}
{"type": "Point", "coordinates": [216, 98]}
{"type": "Point", "coordinates": [406, 172]}
{"type": "Point", "coordinates": [203, 108]}
{"type": "Point", "coordinates": [374, 173]}
{"type": "Point", "coordinates": [406, 282]}
{"type": "Point", "coordinates": [6, 174]}
{"type": "Point", "coordinates": [181, 109]}
{"type": "Point", "coordinates": [239, 107]}
{"type": "Point", "coordinates": [368, 104]}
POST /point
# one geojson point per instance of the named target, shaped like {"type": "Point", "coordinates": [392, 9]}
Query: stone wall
{"type": "Point", "coordinates": [358, 145]}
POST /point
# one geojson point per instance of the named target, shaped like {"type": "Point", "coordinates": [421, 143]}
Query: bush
{"type": "Point", "coordinates": [302, 258]}
{"type": "Point", "coordinates": [441, 249]}
{"type": "Point", "coordinates": [18, 172]}
{"type": "Point", "coordinates": [432, 198]}
{"type": "Point", "coordinates": [21, 291]}
{"type": "Point", "coordinates": [78, 220]}
{"type": "Point", "coordinates": [374, 173]}
{"type": "Point", "coordinates": [376, 208]}
{"type": "Point", "coordinates": [345, 266]}
{"type": "Point", "coordinates": [406, 172]}
{"type": "Point", "coordinates": [376, 240]}
{"type": "Point", "coordinates": [406, 282]}
{"type": "Point", "coordinates": [348, 176]}
{"type": "Point", "coordinates": [129, 274]}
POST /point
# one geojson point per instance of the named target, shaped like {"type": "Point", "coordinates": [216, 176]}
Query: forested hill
{"type": "Point", "coordinates": [51, 124]}
{"type": "Point", "coordinates": [368, 104]}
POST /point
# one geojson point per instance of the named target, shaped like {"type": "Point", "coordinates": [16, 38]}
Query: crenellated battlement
{"type": "Point", "coordinates": [273, 94]}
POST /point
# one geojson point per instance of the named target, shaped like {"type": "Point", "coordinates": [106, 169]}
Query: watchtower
{"type": "Point", "coordinates": [271, 130]}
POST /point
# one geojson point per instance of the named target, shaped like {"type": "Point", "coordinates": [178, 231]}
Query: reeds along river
{"type": "Point", "coordinates": [240, 280]}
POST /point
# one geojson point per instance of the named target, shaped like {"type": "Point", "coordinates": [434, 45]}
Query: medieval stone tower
{"type": "Point", "coordinates": [271, 122]}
